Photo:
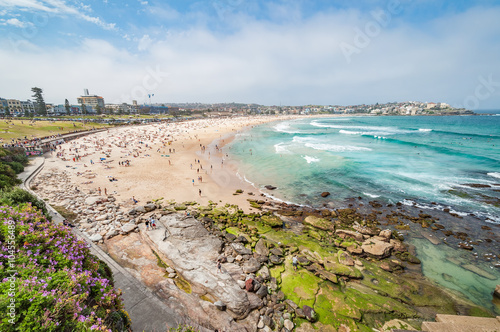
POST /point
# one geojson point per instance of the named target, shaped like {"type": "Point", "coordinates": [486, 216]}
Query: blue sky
{"type": "Point", "coordinates": [292, 52]}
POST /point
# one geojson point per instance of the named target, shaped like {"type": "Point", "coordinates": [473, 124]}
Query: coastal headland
{"type": "Point", "coordinates": [355, 269]}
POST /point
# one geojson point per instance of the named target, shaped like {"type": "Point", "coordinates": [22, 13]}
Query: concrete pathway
{"type": "Point", "coordinates": [146, 310]}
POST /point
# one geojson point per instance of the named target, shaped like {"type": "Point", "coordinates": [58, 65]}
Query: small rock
{"type": "Point", "coordinates": [220, 305]}
{"type": "Point", "coordinates": [309, 313]}
{"type": "Point", "coordinates": [262, 291]}
{"type": "Point", "coordinates": [288, 324]}
{"type": "Point", "coordinates": [325, 194]}
{"type": "Point", "coordinates": [249, 285]}
{"type": "Point", "coordinates": [96, 237]}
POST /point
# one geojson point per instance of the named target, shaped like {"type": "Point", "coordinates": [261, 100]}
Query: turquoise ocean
{"type": "Point", "coordinates": [431, 162]}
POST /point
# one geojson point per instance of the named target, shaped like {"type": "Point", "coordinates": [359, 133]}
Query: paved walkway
{"type": "Point", "coordinates": [146, 310]}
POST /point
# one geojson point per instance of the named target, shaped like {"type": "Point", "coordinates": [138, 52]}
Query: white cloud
{"type": "Point", "coordinates": [144, 43]}
{"type": "Point", "coordinates": [15, 22]}
{"type": "Point", "coordinates": [294, 63]}
{"type": "Point", "coordinates": [144, 3]}
{"type": "Point", "coordinates": [56, 7]}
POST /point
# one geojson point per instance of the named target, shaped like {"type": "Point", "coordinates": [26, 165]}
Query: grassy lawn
{"type": "Point", "coordinates": [14, 129]}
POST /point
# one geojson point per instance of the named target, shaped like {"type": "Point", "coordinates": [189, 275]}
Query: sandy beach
{"type": "Point", "coordinates": [174, 161]}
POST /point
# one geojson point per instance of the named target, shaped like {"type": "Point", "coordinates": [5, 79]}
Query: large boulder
{"type": "Point", "coordinates": [127, 228]}
{"type": "Point", "coordinates": [251, 266]}
{"type": "Point", "coordinates": [344, 258]}
{"type": "Point", "coordinates": [386, 234]}
{"type": "Point", "coordinates": [344, 233]}
{"type": "Point", "coordinates": [277, 251]}
{"type": "Point", "coordinates": [343, 270]}
{"type": "Point", "coordinates": [241, 249]}
{"type": "Point", "coordinates": [376, 248]}
{"type": "Point", "coordinates": [140, 209]}
{"type": "Point", "coordinates": [149, 207]}
{"type": "Point", "coordinates": [320, 223]}
{"type": "Point", "coordinates": [96, 237]}
{"type": "Point", "coordinates": [261, 248]}
{"type": "Point", "coordinates": [264, 273]}
{"type": "Point", "coordinates": [92, 200]}
{"type": "Point", "coordinates": [496, 292]}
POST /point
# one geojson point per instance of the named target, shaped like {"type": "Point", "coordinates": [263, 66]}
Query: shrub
{"type": "Point", "coordinates": [52, 279]}
{"type": "Point", "coordinates": [17, 196]}
{"type": "Point", "coordinates": [7, 176]}
{"type": "Point", "coordinates": [16, 167]}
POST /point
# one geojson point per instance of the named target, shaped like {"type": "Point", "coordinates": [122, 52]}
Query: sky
{"type": "Point", "coordinates": [284, 52]}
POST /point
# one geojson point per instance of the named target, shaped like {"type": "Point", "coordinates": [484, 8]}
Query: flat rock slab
{"type": "Point", "coordinates": [193, 252]}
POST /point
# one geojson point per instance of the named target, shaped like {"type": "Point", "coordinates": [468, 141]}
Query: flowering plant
{"type": "Point", "coordinates": [50, 281]}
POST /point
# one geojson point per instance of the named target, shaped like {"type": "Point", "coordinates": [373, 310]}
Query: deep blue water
{"type": "Point", "coordinates": [397, 159]}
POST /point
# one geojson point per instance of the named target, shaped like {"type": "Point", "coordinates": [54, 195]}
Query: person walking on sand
{"type": "Point", "coordinates": [147, 225]}
{"type": "Point", "coordinates": [199, 192]}
{"type": "Point", "coordinates": [193, 182]}
{"type": "Point", "coordinates": [295, 262]}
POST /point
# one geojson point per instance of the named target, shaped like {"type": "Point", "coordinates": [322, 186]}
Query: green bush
{"type": "Point", "coordinates": [17, 196]}
{"type": "Point", "coordinates": [17, 167]}
{"type": "Point", "coordinates": [8, 177]}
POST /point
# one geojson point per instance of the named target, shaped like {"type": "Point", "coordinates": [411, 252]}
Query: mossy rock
{"type": "Point", "coordinates": [321, 223]}
{"type": "Point", "coordinates": [272, 221]}
{"type": "Point", "coordinates": [343, 270]}
{"type": "Point", "coordinates": [407, 257]}
{"type": "Point", "coordinates": [180, 207]}
{"type": "Point", "coordinates": [254, 204]}
{"type": "Point", "coordinates": [204, 208]}
{"type": "Point", "coordinates": [276, 272]}
{"type": "Point", "coordinates": [181, 283]}
{"type": "Point", "coordinates": [346, 244]}
{"type": "Point", "coordinates": [190, 203]}
{"type": "Point", "coordinates": [300, 286]}
{"type": "Point", "coordinates": [315, 235]}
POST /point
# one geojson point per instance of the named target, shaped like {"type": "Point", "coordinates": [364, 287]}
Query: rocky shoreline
{"type": "Point", "coordinates": [356, 269]}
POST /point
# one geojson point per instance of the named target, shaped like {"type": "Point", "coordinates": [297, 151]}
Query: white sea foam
{"type": "Point", "coordinates": [376, 134]}
{"type": "Point", "coordinates": [425, 129]}
{"type": "Point", "coordinates": [318, 144]}
{"type": "Point", "coordinates": [438, 207]}
{"type": "Point", "coordinates": [310, 159]}
{"type": "Point", "coordinates": [284, 127]}
{"type": "Point", "coordinates": [495, 174]}
{"type": "Point", "coordinates": [281, 148]}
{"type": "Point", "coordinates": [371, 195]}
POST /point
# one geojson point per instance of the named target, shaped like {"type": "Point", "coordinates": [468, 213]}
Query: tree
{"type": "Point", "coordinates": [84, 109]}
{"type": "Point", "coordinates": [98, 109]}
{"type": "Point", "coordinates": [41, 108]}
{"type": "Point", "coordinates": [67, 107]}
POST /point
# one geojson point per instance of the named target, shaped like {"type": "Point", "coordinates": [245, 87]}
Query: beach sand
{"type": "Point", "coordinates": [155, 170]}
